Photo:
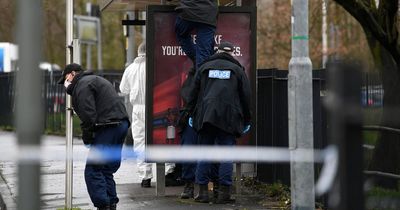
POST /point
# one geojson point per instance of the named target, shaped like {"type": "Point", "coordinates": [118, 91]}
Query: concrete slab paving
{"type": "Point", "coordinates": [131, 195]}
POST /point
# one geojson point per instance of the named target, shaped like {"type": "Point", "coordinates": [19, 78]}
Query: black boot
{"type": "Point", "coordinates": [146, 183]}
{"type": "Point", "coordinates": [188, 190]}
{"type": "Point", "coordinates": [202, 197]}
{"type": "Point", "coordinates": [113, 206]}
{"type": "Point", "coordinates": [173, 179]}
{"type": "Point", "coordinates": [215, 190]}
{"type": "Point", "coordinates": [224, 195]}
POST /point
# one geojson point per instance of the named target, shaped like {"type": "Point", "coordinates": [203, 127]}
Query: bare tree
{"type": "Point", "coordinates": [379, 19]}
{"type": "Point", "coordinates": [54, 31]}
{"type": "Point", "coordinates": [7, 21]}
{"type": "Point", "coordinates": [274, 34]}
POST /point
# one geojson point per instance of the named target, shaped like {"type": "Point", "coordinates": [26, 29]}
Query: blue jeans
{"type": "Point", "coordinates": [204, 46]}
{"type": "Point", "coordinates": [99, 173]}
{"type": "Point", "coordinates": [207, 171]}
{"type": "Point", "coordinates": [188, 137]}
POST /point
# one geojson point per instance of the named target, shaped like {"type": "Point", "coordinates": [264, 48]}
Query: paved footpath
{"type": "Point", "coordinates": [131, 195]}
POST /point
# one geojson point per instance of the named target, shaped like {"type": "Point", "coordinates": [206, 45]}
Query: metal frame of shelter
{"type": "Point", "coordinates": [133, 7]}
{"type": "Point", "coordinates": [140, 5]}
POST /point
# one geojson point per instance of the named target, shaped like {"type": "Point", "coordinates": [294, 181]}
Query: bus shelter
{"type": "Point", "coordinates": [167, 67]}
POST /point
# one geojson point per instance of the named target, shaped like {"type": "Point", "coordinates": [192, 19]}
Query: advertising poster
{"type": "Point", "coordinates": [167, 66]}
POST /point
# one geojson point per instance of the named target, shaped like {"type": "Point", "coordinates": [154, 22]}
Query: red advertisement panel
{"type": "Point", "coordinates": [168, 66]}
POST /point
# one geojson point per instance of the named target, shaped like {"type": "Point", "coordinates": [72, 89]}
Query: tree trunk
{"type": "Point", "coordinates": [386, 157]}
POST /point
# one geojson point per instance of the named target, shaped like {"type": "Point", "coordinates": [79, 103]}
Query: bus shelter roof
{"type": "Point", "coordinates": [140, 5]}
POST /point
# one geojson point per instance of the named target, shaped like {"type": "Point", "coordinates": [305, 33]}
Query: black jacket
{"type": "Point", "coordinates": [202, 11]}
{"type": "Point", "coordinates": [95, 101]}
{"type": "Point", "coordinates": [220, 95]}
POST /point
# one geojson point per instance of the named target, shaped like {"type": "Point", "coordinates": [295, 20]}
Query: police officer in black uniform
{"type": "Point", "coordinates": [104, 127]}
{"type": "Point", "coordinates": [220, 102]}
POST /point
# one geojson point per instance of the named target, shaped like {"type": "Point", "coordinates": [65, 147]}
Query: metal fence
{"type": "Point", "coordinates": [272, 118]}
{"type": "Point", "coordinates": [53, 96]}
{"type": "Point", "coordinates": [372, 90]}
{"type": "Point", "coordinates": [6, 99]}
{"type": "Point", "coordinates": [272, 113]}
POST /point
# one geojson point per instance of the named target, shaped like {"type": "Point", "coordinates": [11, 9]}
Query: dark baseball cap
{"type": "Point", "coordinates": [226, 46]}
{"type": "Point", "coordinates": [68, 69]}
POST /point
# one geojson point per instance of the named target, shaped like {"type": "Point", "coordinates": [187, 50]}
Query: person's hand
{"type": "Point", "coordinates": [183, 118]}
{"type": "Point", "coordinates": [246, 129]}
{"type": "Point", "coordinates": [190, 122]}
{"type": "Point", "coordinates": [67, 84]}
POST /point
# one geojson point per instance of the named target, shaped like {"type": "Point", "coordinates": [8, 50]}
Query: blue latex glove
{"type": "Point", "coordinates": [190, 122]}
{"type": "Point", "coordinates": [246, 129]}
{"type": "Point", "coordinates": [87, 146]}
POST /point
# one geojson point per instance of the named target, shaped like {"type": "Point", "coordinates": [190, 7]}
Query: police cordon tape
{"type": "Point", "coordinates": [162, 154]}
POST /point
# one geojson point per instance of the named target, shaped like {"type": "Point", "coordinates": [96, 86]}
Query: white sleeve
{"type": "Point", "coordinates": [124, 86]}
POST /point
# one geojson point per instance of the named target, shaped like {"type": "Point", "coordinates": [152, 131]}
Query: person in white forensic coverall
{"type": "Point", "coordinates": [133, 82]}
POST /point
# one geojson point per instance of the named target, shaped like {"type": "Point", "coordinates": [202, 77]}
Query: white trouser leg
{"type": "Point", "coordinates": [139, 141]}
{"type": "Point", "coordinates": [169, 168]}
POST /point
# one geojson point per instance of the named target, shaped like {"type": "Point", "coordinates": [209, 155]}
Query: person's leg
{"type": "Point", "coordinates": [214, 172]}
{"type": "Point", "coordinates": [95, 181]}
{"type": "Point", "coordinates": [138, 134]}
{"type": "Point", "coordinates": [206, 138]}
{"type": "Point", "coordinates": [182, 30]}
{"type": "Point", "coordinates": [96, 185]}
{"type": "Point", "coordinates": [204, 42]}
{"type": "Point", "coordinates": [188, 137]}
{"type": "Point", "coordinates": [107, 145]}
{"type": "Point", "coordinates": [116, 142]}
{"type": "Point", "coordinates": [108, 172]}
{"type": "Point", "coordinates": [214, 179]}
{"type": "Point", "coordinates": [225, 169]}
